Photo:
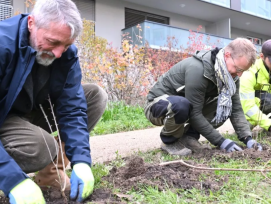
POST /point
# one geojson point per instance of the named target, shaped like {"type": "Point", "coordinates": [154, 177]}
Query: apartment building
{"type": "Point", "coordinates": [221, 20]}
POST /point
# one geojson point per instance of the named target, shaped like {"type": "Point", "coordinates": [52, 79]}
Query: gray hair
{"type": "Point", "coordinates": [64, 12]}
{"type": "Point", "coordinates": [242, 47]}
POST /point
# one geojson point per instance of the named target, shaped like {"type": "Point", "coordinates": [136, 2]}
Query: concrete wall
{"type": "Point", "coordinates": [110, 19]}
{"type": "Point", "coordinates": [224, 28]}
{"type": "Point", "coordinates": [19, 6]}
{"type": "Point", "coordinates": [221, 28]}
{"type": "Point", "coordinates": [235, 32]}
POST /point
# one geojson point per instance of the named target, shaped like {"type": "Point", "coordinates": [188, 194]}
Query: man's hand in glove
{"type": "Point", "coordinates": [26, 192]}
{"type": "Point", "coordinates": [82, 182]}
{"type": "Point", "coordinates": [230, 146]}
{"type": "Point", "coordinates": [250, 143]}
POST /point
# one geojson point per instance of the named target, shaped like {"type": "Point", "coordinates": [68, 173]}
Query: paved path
{"type": "Point", "coordinates": [104, 148]}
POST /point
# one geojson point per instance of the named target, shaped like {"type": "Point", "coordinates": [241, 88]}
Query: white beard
{"type": "Point", "coordinates": [45, 61]}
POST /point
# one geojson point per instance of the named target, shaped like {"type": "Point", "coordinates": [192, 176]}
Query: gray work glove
{"type": "Point", "coordinates": [230, 146]}
{"type": "Point", "coordinates": [253, 144]}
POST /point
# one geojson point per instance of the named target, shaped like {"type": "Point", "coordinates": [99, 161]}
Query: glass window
{"type": "Point", "coordinates": [254, 40]}
{"type": "Point", "coordinates": [225, 3]}
{"type": "Point", "coordinates": [133, 17]}
{"type": "Point", "coordinates": [261, 8]}
{"type": "Point", "coordinates": [6, 9]}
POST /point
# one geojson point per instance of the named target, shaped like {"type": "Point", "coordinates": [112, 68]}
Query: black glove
{"type": "Point", "coordinates": [230, 146]}
{"type": "Point", "coordinates": [265, 98]}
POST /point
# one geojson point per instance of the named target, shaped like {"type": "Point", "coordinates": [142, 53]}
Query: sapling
{"type": "Point", "coordinates": [62, 185]}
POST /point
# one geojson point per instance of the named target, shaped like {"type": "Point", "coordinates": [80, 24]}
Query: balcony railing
{"type": "Point", "coordinates": [155, 35]}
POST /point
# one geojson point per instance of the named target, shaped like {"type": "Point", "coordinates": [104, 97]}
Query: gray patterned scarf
{"type": "Point", "coordinates": [226, 89]}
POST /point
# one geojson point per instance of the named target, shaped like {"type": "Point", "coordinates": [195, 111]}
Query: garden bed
{"type": "Point", "coordinates": [137, 174]}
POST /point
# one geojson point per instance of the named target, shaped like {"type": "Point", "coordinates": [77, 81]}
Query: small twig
{"type": "Point", "coordinates": [46, 118]}
{"type": "Point", "coordinates": [55, 164]}
{"type": "Point", "coordinates": [62, 188]}
{"type": "Point", "coordinates": [60, 147]}
{"type": "Point", "coordinates": [213, 169]}
{"type": "Point", "coordinates": [48, 147]}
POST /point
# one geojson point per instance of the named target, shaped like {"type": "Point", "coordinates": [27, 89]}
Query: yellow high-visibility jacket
{"type": "Point", "coordinates": [255, 78]}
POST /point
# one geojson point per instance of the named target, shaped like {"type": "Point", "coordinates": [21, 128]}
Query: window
{"type": "Point", "coordinates": [133, 17]}
{"type": "Point", "coordinates": [86, 8]}
{"type": "Point", "coordinates": [260, 8]}
{"type": "Point", "coordinates": [256, 41]}
{"type": "Point", "coordinates": [6, 9]}
{"type": "Point", "coordinates": [225, 3]}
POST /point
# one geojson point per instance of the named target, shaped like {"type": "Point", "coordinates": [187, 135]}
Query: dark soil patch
{"type": "Point", "coordinates": [3, 199]}
{"type": "Point", "coordinates": [251, 155]}
{"type": "Point", "coordinates": [136, 174]}
{"type": "Point", "coordinates": [98, 196]}
{"type": "Point", "coordinates": [53, 196]}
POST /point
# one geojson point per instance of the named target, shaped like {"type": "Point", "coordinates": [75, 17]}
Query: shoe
{"type": "Point", "coordinates": [48, 176]}
{"type": "Point", "coordinates": [193, 144]}
{"type": "Point", "coordinates": [176, 148]}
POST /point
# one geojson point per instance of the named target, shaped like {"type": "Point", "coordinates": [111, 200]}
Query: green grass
{"type": "Point", "coordinates": [119, 117]}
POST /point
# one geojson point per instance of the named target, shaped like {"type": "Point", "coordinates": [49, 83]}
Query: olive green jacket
{"type": "Point", "coordinates": [194, 78]}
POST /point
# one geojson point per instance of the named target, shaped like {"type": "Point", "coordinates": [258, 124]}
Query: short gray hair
{"type": "Point", "coordinates": [64, 12]}
{"type": "Point", "coordinates": [242, 47]}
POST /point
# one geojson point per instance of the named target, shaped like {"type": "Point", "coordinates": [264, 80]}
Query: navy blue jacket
{"type": "Point", "coordinates": [16, 61]}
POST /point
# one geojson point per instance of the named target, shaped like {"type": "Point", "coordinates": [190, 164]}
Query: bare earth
{"type": "Point", "coordinates": [104, 148]}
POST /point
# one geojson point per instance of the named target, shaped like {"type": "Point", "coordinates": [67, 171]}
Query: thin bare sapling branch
{"type": "Point", "coordinates": [212, 169]}
{"type": "Point", "coordinates": [62, 186]}
{"type": "Point", "coordinates": [60, 146]}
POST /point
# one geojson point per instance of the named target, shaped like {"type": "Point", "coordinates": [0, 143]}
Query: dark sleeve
{"type": "Point", "coordinates": [195, 89]}
{"type": "Point", "coordinates": [10, 172]}
{"type": "Point", "coordinates": [71, 109]}
{"type": "Point", "coordinates": [238, 119]}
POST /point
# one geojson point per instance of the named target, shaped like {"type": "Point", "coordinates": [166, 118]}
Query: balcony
{"type": "Point", "coordinates": [155, 35]}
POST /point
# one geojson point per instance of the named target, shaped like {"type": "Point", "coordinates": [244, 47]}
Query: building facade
{"type": "Point", "coordinates": [220, 20]}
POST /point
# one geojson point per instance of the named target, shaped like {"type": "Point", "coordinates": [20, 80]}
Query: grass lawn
{"type": "Point", "coordinates": [119, 117]}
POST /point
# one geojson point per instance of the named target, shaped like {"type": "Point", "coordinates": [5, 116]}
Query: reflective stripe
{"type": "Point", "coordinates": [245, 96]}
{"type": "Point", "coordinates": [252, 111]}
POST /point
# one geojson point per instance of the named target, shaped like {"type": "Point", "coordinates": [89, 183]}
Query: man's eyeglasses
{"type": "Point", "coordinates": [238, 70]}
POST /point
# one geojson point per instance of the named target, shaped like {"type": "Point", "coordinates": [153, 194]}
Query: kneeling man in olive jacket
{"type": "Point", "coordinates": [197, 95]}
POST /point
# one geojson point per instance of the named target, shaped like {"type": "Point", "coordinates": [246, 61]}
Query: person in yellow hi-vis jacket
{"type": "Point", "coordinates": [255, 89]}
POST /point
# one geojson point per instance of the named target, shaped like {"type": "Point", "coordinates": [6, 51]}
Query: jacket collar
{"type": "Point", "coordinates": [205, 57]}
{"type": "Point", "coordinates": [209, 71]}
{"type": "Point", "coordinates": [24, 33]}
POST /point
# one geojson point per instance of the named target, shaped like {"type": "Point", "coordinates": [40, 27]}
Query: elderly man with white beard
{"type": "Point", "coordinates": [38, 61]}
